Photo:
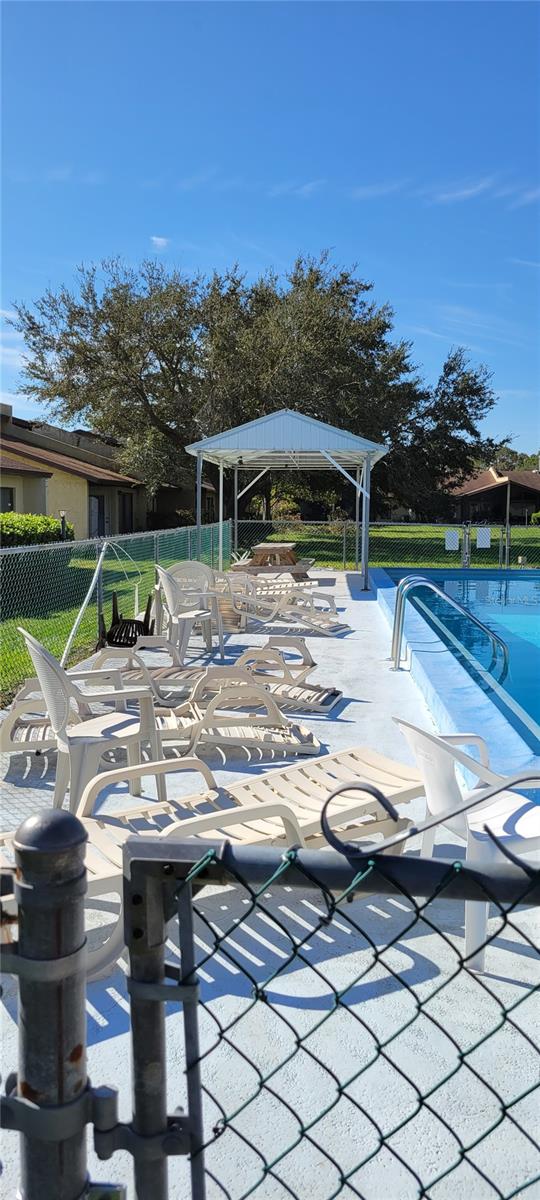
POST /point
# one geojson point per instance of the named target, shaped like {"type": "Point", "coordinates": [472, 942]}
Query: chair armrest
{"type": "Point", "coordinates": [468, 739]}
{"type": "Point", "coordinates": [112, 673]}
{"type": "Point", "coordinates": [220, 818]}
{"type": "Point", "coordinates": [135, 692]}
{"type": "Point", "coordinates": [122, 774]}
{"type": "Point", "coordinates": [153, 641]}
{"type": "Point", "coordinates": [293, 643]}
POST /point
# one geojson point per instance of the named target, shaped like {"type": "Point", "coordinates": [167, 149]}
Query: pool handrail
{"type": "Point", "coordinates": [405, 586]}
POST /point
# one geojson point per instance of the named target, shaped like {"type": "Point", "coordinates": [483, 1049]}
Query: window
{"type": "Point", "coordinates": [7, 499]}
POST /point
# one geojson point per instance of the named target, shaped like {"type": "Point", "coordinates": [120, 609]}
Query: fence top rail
{"type": "Point", "coordinates": [371, 874]}
{"type": "Point", "coordinates": [110, 538]}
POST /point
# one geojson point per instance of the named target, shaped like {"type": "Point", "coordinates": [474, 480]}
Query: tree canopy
{"type": "Point", "coordinates": [158, 359]}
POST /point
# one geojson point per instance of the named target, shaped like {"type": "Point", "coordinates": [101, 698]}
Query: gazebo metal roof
{"type": "Point", "coordinates": [287, 440]}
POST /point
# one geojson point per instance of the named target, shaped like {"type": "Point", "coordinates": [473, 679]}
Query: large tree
{"type": "Point", "coordinates": [158, 359]}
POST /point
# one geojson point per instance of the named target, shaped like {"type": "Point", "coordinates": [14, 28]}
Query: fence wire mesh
{"type": "Point", "coordinates": [333, 543]}
{"type": "Point", "coordinates": [43, 588]}
{"type": "Point", "coordinates": [346, 1048]}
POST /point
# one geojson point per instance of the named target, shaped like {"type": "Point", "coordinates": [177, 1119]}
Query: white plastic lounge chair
{"type": "Point", "coordinates": [199, 725]}
{"type": "Point", "coordinates": [208, 717]}
{"type": "Point", "coordinates": [314, 610]}
{"type": "Point", "coordinates": [173, 682]}
{"type": "Point", "coordinates": [281, 806]}
{"type": "Point", "coordinates": [512, 818]}
{"type": "Point", "coordinates": [82, 739]}
{"type": "Point", "coordinates": [271, 666]}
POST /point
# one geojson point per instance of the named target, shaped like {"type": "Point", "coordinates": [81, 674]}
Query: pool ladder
{"type": "Point", "coordinates": [417, 581]}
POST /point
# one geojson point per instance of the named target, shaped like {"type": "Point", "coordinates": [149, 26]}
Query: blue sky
{"type": "Point", "coordinates": [402, 136]}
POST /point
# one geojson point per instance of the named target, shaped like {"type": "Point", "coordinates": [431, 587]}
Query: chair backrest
{"type": "Point", "coordinates": [436, 761]}
{"type": "Point", "coordinates": [170, 589]}
{"type": "Point", "coordinates": [54, 683]}
{"type": "Point", "coordinates": [192, 574]}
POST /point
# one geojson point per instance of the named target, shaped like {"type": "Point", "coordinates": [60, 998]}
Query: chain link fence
{"type": "Point", "coordinates": [333, 1040]}
{"type": "Point", "coordinates": [333, 543]}
{"type": "Point", "coordinates": [44, 587]}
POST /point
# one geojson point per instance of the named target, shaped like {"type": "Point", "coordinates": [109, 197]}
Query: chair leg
{"type": "Point", "coordinates": [207, 632]}
{"type": "Point", "coordinates": [157, 755]}
{"type": "Point", "coordinates": [83, 765]}
{"type": "Point", "coordinates": [134, 758]}
{"type": "Point", "coordinates": [428, 842]}
{"type": "Point", "coordinates": [476, 911]}
{"type": "Point", "coordinates": [62, 779]}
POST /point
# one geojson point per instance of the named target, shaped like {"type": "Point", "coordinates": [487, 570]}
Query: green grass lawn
{"type": "Point", "coordinates": [391, 546]}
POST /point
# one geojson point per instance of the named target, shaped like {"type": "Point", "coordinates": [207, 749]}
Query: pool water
{"type": "Point", "coordinates": [508, 602]}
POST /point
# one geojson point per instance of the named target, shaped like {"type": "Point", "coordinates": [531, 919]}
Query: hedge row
{"type": "Point", "coordinates": [32, 529]}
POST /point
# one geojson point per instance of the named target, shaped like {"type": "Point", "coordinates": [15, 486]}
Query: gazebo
{"type": "Point", "coordinates": [290, 441]}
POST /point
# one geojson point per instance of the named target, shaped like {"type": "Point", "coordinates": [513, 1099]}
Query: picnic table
{"type": "Point", "coordinates": [276, 558]}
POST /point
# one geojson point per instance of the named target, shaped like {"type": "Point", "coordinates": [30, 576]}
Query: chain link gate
{"type": "Point", "coordinates": [315, 1061]}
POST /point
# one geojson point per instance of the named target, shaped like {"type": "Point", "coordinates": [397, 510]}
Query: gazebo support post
{"type": "Point", "coordinates": [198, 495]}
{"type": "Point", "coordinates": [365, 524]}
{"type": "Point", "coordinates": [235, 541]}
{"type": "Point", "coordinates": [357, 520]}
{"type": "Point", "coordinates": [220, 532]}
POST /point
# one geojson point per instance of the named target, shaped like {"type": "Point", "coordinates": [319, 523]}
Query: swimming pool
{"type": "Point", "coordinates": [508, 602]}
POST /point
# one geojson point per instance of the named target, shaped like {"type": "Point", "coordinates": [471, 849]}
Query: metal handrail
{"type": "Point", "coordinates": [413, 581]}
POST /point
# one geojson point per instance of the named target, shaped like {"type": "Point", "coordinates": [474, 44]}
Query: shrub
{"type": "Point", "coordinates": [535, 518]}
{"type": "Point", "coordinates": [31, 529]}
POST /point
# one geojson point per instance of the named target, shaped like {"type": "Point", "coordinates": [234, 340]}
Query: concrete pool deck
{"type": "Point", "coordinates": [418, 959]}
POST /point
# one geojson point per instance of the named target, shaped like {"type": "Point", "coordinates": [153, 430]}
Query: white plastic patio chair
{"type": "Point", "coordinates": [182, 601]}
{"type": "Point", "coordinates": [198, 581]}
{"type": "Point", "coordinates": [82, 739]}
{"type": "Point", "coordinates": [512, 818]}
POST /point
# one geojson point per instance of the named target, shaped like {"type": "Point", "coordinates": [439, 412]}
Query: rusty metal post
{"type": "Point", "coordinates": [50, 889]}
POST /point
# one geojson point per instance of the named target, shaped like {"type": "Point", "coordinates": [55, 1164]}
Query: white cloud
{"type": "Point", "coordinates": [456, 193]}
{"type": "Point", "coordinates": [463, 322]}
{"type": "Point", "coordinates": [58, 175]}
{"type": "Point", "coordinates": [524, 262]}
{"type": "Point", "coordinates": [308, 189]}
{"type": "Point", "coordinates": [11, 344]}
{"type": "Point", "coordinates": [530, 196]}
{"type": "Point", "coordinates": [368, 191]}
{"type": "Point", "coordinates": [292, 188]}
{"type": "Point", "coordinates": [423, 329]}
{"type": "Point", "coordinates": [159, 243]}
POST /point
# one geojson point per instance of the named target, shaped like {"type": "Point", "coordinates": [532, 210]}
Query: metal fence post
{"type": "Point", "coordinates": [99, 589]}
{"type": "Point", "coordinates": [507, 547]}
{"type": "Point", "coordinates": [50, 890]}
{"type": "Point", "coordinates": [344, 544]}
{"type": "Point", "coordinates": [145, 936]}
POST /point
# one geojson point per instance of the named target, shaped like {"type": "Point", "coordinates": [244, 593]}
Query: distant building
{"type": "Point", "coordinates": [490, 496]}
{"type": "Point", "coordinates": [48, 470]}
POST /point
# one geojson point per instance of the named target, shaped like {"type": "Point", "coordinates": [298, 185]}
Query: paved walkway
{"type": "Point", "coordinates": [412, 962]}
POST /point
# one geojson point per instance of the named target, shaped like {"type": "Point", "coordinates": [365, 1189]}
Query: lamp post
{"type": "Point", "coordinates": [62, 525]}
